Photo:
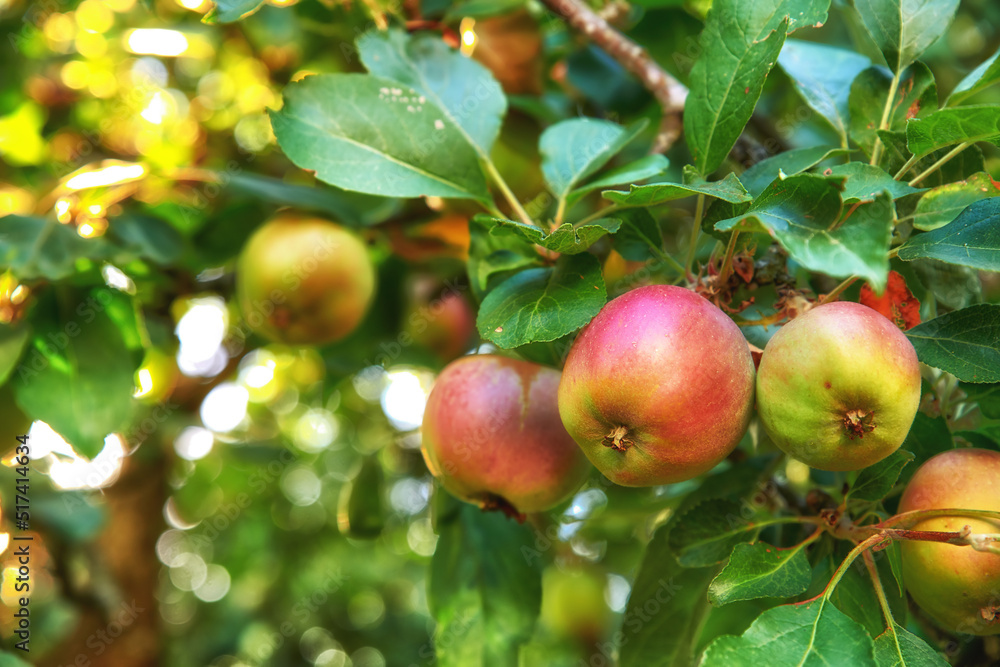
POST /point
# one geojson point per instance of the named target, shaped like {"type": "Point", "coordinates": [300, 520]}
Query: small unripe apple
{"type": "Point", "coordinates": [573, 603]}
{"type": "Point", "coordinates": [445, 325]}
{"type": "Point", "coordinates": [658, 388]}
{"type": "Point", "coordinates": [492, 435]}
{"type": "Point", "coordinates": [304, 281]}
{"type": "Point", "coordinates": [955, 585]}
{"type": "Point", "coordinates": [838, 387]}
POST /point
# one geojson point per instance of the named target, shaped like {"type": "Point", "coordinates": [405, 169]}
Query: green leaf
{"type": "Point", "coordinates": [726, 82]}
{"type": "Point", "coordinates": [760, 570]}
{"type": "Point", "coordinates": [484, 594]}
{"type": "Point", "coordinates": [904, 649]}
{"type": "Point", "coordinates": [822, 75]}
{"type": "Point", "coordinates": [728, 189]}
{"type": "Point", "coordinates": [565, 239]}
{"type": "Point", "coordinates": [941, 205]}
{"type": "Point", "coordinates": [903, 29]}
{"type": "Point", "coordinates": [369, 134]}
{"type": "Point", "coordinates": [362, 509]}
{"type": "Point", "coordinates": [984, 76]}
{"type": "Point", "coordinates": [633, 172]}
{"type": "Point", "coordinates": [84, 389]}
{"type": "Point", "coordinates": [461, 87]}
{"type": "Point", "coordinates": [574, 149]}
{"type": "Point", "coordinates": [917, 94]}
{"type": "Point", "coordinates": [660, 627]}
{"type": "Point", "coordinates": [965, 343]}
{"type": "Point", "coordinates": [928, 436]}
{"type": "Point", "coordinates": [855, 594]}
{"type": "Point", "coordinates": [543, 304]}
{"type": "Point", "coordinates": [13, 338]}
{"type": "Point", "coordinates": [808, 634]}
{"type": "Point", "coordinates": [639, 237]}
{"type": "Point", "coordinates": [953, 286]}
{"type": "Point", "coordinates": [230, 11]}
{"type": "Point", "coordinates": [948, 127]}
{"type": "Point", "coordinates": [800, 213]}
{"type": "Point", "coordinates": [492, 258]}
{"type": "Point", "coordinates": [877, 480]}
{"type": "Point", "coordinates": [41, 248]}
{"type": "Point", "coordinates": [345, 207]}
{"type": "Point", "coordinates": [957, 168]}
{"type": "Point", "coordinates": [865, 182]}
{"type": "Point", "coordinates": [739, 46]}
{"type": "Point", "coordinates": [987, 396]}
{"type": "Point", "coordinates": [707, 533]}
{"type": "Point", "coordinates": [148, 237]}
{"type": "Point", "coordinates": [971, 239]}
{"type": "Point", "coordinates": [758, 177]}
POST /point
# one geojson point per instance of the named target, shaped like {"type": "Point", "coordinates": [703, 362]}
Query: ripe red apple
{"type": "Point", "coordinates": [492, 435]}
{"type": "Point", "coordinates": [304, 281]}
{"type": "Point", "coordinates": [838, 387]}
{"type": "Point", "coordinates": [957, 586]}
{"type": "Point", "coordinates": [658, 388]}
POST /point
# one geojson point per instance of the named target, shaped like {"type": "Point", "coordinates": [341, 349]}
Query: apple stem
{"type": "Point", "coordinates": [909, 519]}
{"type": "Point", "coordinates": [727, 260]}
{"type": "Point", "coordinates": [494, 503]}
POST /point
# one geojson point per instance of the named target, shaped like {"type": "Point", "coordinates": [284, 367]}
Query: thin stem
{"type": "Point", "coordinates": [560, 211]}
{"type": "Point", "coordinates": [507, 193]}
{"type": "Point", "coordinates": [727, 260]}
{"type": "Point", "coordinates": [884, 123]}
{"type": "Point", "coordinates": [855, 552]}
{"type": "Point", "coordinates": [937, 165]}
{"type": "Point", "coordinates": [597, 215]}
{"type": "Point", "coordinates": [667, 90]}
{"type": "Point", "coordinates": [838, 290]}
{"type": "Point", "coordinates": [906, 167]}
{"type": "Point", "coordinates": [909, 519]}
{"type": "Point", "coordinates": [890, 623]}
{"type": "Point", "coordinates": [699, 211]}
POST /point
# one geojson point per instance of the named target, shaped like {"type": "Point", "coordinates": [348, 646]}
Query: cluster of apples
{"type": "Point", "coordinates": [659, 388]}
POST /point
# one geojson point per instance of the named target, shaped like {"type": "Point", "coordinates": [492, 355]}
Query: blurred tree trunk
{"type": "Point", "coordinates": [120, 620]}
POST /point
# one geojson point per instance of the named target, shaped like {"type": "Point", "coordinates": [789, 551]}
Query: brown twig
{"type": "Point", "coordinates": [667, 90]}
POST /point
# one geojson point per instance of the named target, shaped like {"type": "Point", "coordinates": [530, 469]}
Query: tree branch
{"type": "Point", "coordinates": [667, 90]}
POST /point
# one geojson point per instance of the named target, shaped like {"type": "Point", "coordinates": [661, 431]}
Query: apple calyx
{"type": "Point", "coordinates": [617, 439]}
{"type": "Point", "coordinates": [858, 422]}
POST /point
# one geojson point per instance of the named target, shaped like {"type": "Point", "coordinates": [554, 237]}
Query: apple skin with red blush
{"type": "Point", "coordinates": [838, 387]}
{"type": "Point", "coordinates": [658, 388]}
{"type": "Point", "coordinates": [491, 435]}
{"type": "Point", "coordinates": [955, 585]}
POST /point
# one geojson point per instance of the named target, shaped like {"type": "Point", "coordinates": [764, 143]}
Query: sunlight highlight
{"type": "Point", "coordinates": [156, 42]}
